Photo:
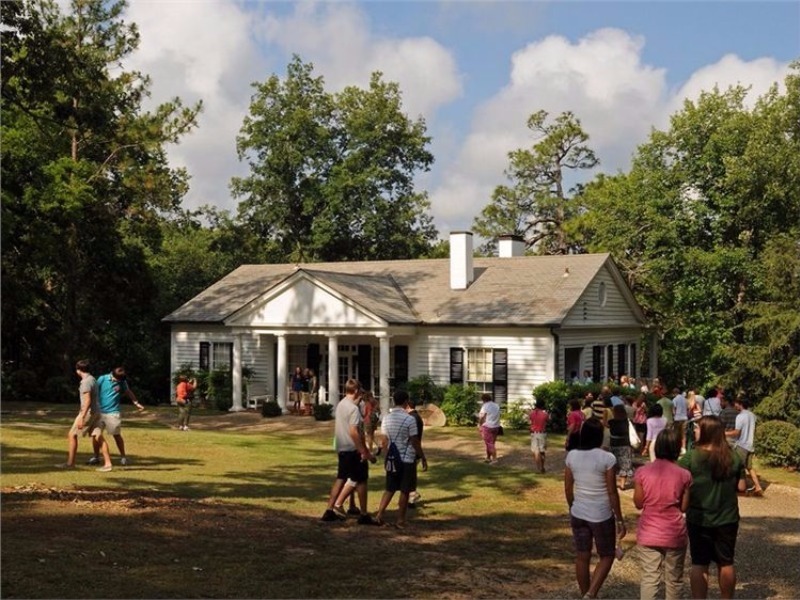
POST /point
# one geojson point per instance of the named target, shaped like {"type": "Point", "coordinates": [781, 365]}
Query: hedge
{"type": "Point", "coordinates": [777, 444]}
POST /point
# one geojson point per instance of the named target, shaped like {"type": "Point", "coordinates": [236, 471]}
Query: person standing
{"type": "Point", "coordinates": [88, 415]}
{"type": "Point", "coordinates": [400, 428]}
{"type": "Point", "coordinates": [575, 419]}
{"type": "Point", "coordinates": [666, 408]}
{"type": "Point", "coordinates": [313, 385]}
{"type": "Point", "coordinates": [661, 492]}
{"type": "Point", "coordinates": [298, 385]}
{"type": "Point", "coordinates": [413, 495]}
{"type": "Point", "coordinates": [184, 392]}
{"type": "Point", "coordinates": [712, 518]}
{"type": "Point", "coordinates": [712, 405]}
{"type": "Point", "coordinates": [656, 423]}
{"type": "Point", "coordinates": [111, 388]}
{"type": "Point", "coordinates": [727, 415]}
{"type": "Point", "coordinates": [591, 493]}
{"type": "Point", "coordinates": [353, 457]}
{"type": "Point", "coordinates": [538, 419]}
{"type": "Point", "coordinates": [372, 418]}
{"type": "Point", "coordinates": [743, 435]}
{"type": "Point", "coordinates": [620, 445]}
{"type": "Point", "coordinates": [489, 426]}
{"type": "Point", "coordinates": [680, 415]}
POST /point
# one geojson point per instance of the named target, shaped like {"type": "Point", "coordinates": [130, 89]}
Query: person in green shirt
{"type": "Point", "coordinates": [712, 519]}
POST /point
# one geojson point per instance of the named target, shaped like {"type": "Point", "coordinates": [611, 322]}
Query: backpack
{"type": "Point", "coordinates": [393, 461]}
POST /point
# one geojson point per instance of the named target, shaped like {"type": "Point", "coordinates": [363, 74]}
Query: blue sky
{"type": "Point", "coordinates": [474, 70]}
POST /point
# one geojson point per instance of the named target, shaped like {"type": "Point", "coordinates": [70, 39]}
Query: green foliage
{"type": "Point", "coordinates": [778, 444]}
{"type": "Point", "coordinates": [554, 397]}
{"type": "Point", "coordinates": [516, 415]}
{"type": "Point", "coordinates": [271, 409]}
{"type": "Point", "coordinates": [424, 390]}
{"type": "Point", "coordinates": [460, 405]}
{"type": "Point", "coordinates": [323, 411]}
{"type": "Point", "coordinates": [220, 389]}
{"type": "Point", "coordinates": [332, 175]}
{"type": "Point", "coordinates": [59, 389]}
{"type": "Point", "coordinates": [21, 385]}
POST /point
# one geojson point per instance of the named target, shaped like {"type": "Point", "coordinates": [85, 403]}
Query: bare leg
{"type": "Point", "coordinates": [727, 581]}
{"type": "Point", "coordinates": [402, 509]}
{"type": "Point", "coordinates": [601, 571]}
{"type": "Point", "coordinates": [756, 482]}
{"type": "Point", "coordinates": [120, 444]}
{"type": "Point", "coordinates": [346, 491]}
{"type": "Point", "coordinates": [582, 560]}
{"type": "Point", "coordinates": [335, 489]}
{"type": "Point", "coordinates": [361, 490]}
{"type": "Point", "coordinates": [72, 449]}
{"type": "Point", "coordinates": [698, 580]}
{"type": "Point", "coordinates": [385, 499]}
{"type": "Point", "coordinates": [104, 451]}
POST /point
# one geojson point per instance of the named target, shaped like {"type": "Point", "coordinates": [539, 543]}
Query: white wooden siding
{"type": "Point", "coordinates": [588, 338]}
{"type": "Point", "coordinates": [588, 311]}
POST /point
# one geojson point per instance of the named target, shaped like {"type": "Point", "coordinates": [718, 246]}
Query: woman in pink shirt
{"type": "Point", "coordinates": [661, 491]}
{"type": "Point", "coordinates": [575, 419]}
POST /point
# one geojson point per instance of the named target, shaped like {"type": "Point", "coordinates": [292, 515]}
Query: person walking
{"type": "Point", "coordinates": [656, 423]}
{"type": "Point", "coordinates": [743, 436]}
{"type": "Point", "coordinates": [620, 445]}
{"type": "Point", "coordinates": [680, 415]}
{"type": "Point", "coordinates": [414, 495]}
{"type": "Point", "coordinates": [712, 518]}
{"type": "Point", "coordinates": [298, 386]}
{"type": "Point", "coordinates": [489, 426]}
{"type": "Point", "coordinates": [184, 392]}
{"type": "Point", "coordinates": [591, 493]}
{"type": "Point", "coordinates": [538, 419]}
{"type": "Point", "coordinates": [111, 388]}
{"type": "Point", "coordinates": [575, 419]}
{"type": "Point", "coordinates": [661, 492]}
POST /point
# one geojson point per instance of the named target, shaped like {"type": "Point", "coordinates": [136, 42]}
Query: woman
{"type": "Point", "coordinates": [661, 492]}
{"type": "Point", "coordinates": [713, 515]}
{"type": "Point", "coordinates": [620, 444]}
{"type": "Point", "coordinates": [298, 384]}
{"type": "Point", "coordinates": [372, 417]}
{"type": "Point", "coordinates": [183, 396]}
{"type": "Point", "coordinates": [594, 507]}
{"type": "Point", "coordinates": [575, 419]}
{"type": "Point", "coordinates": [489, 425]}
{"type": "Point", "coordinates": [656, 423]}
{"type": "Point", "coordinates": [640, 417]}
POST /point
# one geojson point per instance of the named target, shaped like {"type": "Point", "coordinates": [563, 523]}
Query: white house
{"type": "Point", "coordinates": [504, 324]}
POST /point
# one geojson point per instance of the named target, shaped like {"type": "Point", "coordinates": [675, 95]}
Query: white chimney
{"type": "Point", "coordinates": [511, 245]}
{"type": "Point", "coordinates": [461, 271]}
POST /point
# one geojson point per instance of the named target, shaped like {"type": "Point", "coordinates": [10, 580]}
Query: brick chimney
{"type": "Point", "coordinates": [461, 270]}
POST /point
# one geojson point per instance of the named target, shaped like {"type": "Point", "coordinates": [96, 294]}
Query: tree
{"type": "Point", "coordinates": [331, 176]}
{"type": "Point", "coordinates": [85, 184]}
{"type": "Point", "coordinates": [537, 204]}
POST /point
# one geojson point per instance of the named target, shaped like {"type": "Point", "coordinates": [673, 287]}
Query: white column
{"type": "Point", "coordinates": [280, 393]}
{"type": "Point", "coordinates": [333, 370]}
{"type": "Point", "coordinates": [236, 373]}
{"type": "Point", "coordinates": [383, 374]}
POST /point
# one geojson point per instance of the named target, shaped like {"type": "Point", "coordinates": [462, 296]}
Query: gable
{"type": "Point", "coordinates": [302, 302]}
{"type": "Point", "coordinates": [604, 303]}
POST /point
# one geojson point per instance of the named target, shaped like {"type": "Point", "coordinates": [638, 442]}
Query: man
{"type": "Point", "coordinates": [666, 406]}
{"type": "Point", "coordinates": [88, 415]}
{"type": "Point", "coordinates": [727, 415]}
{"type": "Point", "coordinates": [413, 496]}
{"type": "Point", "coordinates": [744, 434]}
{"type": "Point", "coordinates": [680, 415]}
{"type": "Point", "coordinates": [353, 456]}
{"type": "Point", "coordinates": [400, 428]}
{"type": "Point", "coordinates": [111, 387]}
{"type": "Point", "coordinates": [539, 418]}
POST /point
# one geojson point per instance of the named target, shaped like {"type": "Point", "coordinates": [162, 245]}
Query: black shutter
{"type": "Point", "coordinates": [609, 361]}
{"type": "Point", "coordinates": [313, 358]}
{"type": "Point", "coordinates": [634, 365]}
{"type": "Point", "coordinates": [365, 366]}
{"type": "Point", "coordinates": [400, 366]}
{"type": "Point", "coordinates": [597, 362]}
{"type": "Point", "coordinates": [205, 352]}
{"type": "Point", "coordinates": [500, 375]}
{"type": "Point", "coordinates": [621, 360]}
{"type": "Point", "coordinates": [456, 365]}
{"type": "Point", "coordinates": [230, 358]}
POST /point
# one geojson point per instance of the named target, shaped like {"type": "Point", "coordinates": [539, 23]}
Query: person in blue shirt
{"type": "Point", "coordinates": [111, 389]}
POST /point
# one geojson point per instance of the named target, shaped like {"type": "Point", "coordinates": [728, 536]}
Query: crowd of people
{"type": "Point", "coordinates": [303, 389]}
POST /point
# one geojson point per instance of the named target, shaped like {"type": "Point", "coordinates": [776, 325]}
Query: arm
{"type": "Point", "coordinates": [569, 487]}
{"type": "Point", "coordinates": [414, 439]}
{"type": "Point", "coordinates": [613, 498]}
{"type": "Point", "coordinates": [685, 500]}
{"type": "Point", "coordinates": [129, 393]}
{"type": "Point", "coordinates": [638, 495]}
{"type": "Point", "coordinates": [86, 403]}
{"type": "Point", "coordinates": [358, 440]}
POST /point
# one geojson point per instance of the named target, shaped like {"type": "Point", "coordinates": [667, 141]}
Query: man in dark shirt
{"type": "Point", "coordinates": [728, 416]}
{"type": "Point", "coordinates": [413, 496]}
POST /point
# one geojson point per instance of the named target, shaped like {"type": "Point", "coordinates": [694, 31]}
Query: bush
{"type": "Point", "coordinates": [271, 409]}
{"type": "Point", "coordinates": [23, 385]}
{"type": "Point", "coordinates": [460, 405]}
{"type": "Point", "coordinates": [59, 389]}
{"type": "Point", "coordinates": [323, 412]}
{"type": "Point", "coordinates": [424, 390]}
{"type": "Point", "coordinates": [220, 389]}
{"type": "Point", "coordinates": [554, 397]}
{"type": "Point", "coordinates": [516, 416]}
{"type": "Point", "coordinates": [777, 443]}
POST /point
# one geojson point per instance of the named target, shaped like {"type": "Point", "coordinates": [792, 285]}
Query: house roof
{"type": "Point", "coordinates": [527, 290]}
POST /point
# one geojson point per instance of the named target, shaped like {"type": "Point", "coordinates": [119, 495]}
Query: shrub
{"type": "Point", "coordinates": [777, 443]}
{"type": "Point", "coordinates": [220, 389]}
{"type": "Point", "coordinates": [516, 416]}
{"type": "Point", "coordinates": [424, 390]}
{"type": "Point", "coordinates": [460, 405]}
{"type": "Point", "coordinates": [22, 385]}
{"type": "Point", "coordinates": [271, 409]}
{"type": "Point", "coordinates": [59, 389]}
{"type": "Point", "coordinates": [554, 397]}
{"type": "Point", "coordinates": [323, 412]}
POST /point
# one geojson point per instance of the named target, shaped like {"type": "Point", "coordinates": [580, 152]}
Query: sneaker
{"type": "Point", "coordinates": [353, 511]}
{"type": "Point", "coordinates": [368, 520]}
{"type": "Point", "coordinates": [95, 460]}
{"type": "Point", "coordinates": [329, 515]}
{"type": "Point", "coordinates": [105, 469]}
{"type": "Point", "coordinates": [340, 511]}
{"type": "Point", "coordinates": [124, 461]}
{"type": "Point", "coordinates": [186, 428]}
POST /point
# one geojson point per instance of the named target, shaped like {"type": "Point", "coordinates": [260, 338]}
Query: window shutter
{"type": "Point", "coordinates": [456, 365]}
{"type": "Point", "coordinates": [634, 365]}
{"type": "Point", "coordinates": [365, 366]}
{"type": "Point", "coordinates": [205, 353]}
{"type": "Point", "coordinates": [609, 361]}
{"type": "Point", "coordinates": [500, 375]}
{"type": "Point", "coordinates": [622, 360]}
{"type": "Point", "coordinates": [400, 365]}
{"type": "Point", "coordinates": [597, 362]}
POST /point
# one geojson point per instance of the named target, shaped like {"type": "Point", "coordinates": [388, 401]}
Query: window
{"type": "Point", "coordinates": [216, 356]}
{"type": "Point", "coordinates": [597, 364]}
{"type": "Point", "coordinates": [622, 360]}
{"type": "Point", "coordinates": [486, 370]}
{"type": "Point", "coordinates": [609, 362]}
{"type": "Point", "coordinates": [479, 369]}
{"type": "Point", "coordinates": [633, 372]}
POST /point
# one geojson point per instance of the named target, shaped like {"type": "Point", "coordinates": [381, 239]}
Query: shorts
{"type": "Point", "coordinates": [746, 456]}
{"type": "Point", "coordinates": [88, 424]}
{"type": "Point", "coordinates": [604, 534]}
{"type": "Point", "coordinates": [538, 442]}
{"type": "Point", "coordinates": [110, 422]}
{"type": "Point", "coordinates": [404, 480]}
{"type": "Point", "coordinates": [352, 467]}
{"type": "Point", "coordinates": [717, 544]}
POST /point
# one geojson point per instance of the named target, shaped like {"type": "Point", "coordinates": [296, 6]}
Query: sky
{"type": "Point", "coordinates": [474, 70]}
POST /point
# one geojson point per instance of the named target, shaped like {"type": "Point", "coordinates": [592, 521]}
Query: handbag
{"type": "Point", "coordinates": [500, 430]}
{"type": "Point", "coordinates": [633, 436]}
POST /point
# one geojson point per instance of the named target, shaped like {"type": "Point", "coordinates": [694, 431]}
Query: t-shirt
{"type": "Point", "coordinates": [711, 503]}
{"type": "Point", "coordinates": [662, 524]}
{"type": "Point", "coordinates": [399, 426]}
{"type": "Point", "coordinates": [539, 420]}
{"type": "Point", "coordinates": [746, 426]}
{"type": "Point", "coordinates": [591, 495]}
{"type": "Point", "coordinates": [728, 417]}
{"type": "Point", "coordinates": [712, 406]}
{"type": "Point", "coordinates": [574, 420]}
{"type": "Point", "coordinates": [679, 406]}
{"type": "Point", "coordinates": [89, 385]}
{"type": "Point", "coordinates": [655, 425]}
{"type": "Point", "coordinates": [492, 412]}
{"type": "Point", "coordinates": [619, 433]}
{"type": "Point", "coordinates": [110, 393]}
{"type": "Point", "coordinates": [347, 415]}
{"type": "Point", "coordinates": [666, 404]}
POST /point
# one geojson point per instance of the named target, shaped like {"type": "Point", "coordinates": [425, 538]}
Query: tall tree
{"type": "Point", "coordinates": [332, 176]}
{"type": "Point", "coordinates": [85, 182]}
{"type": "Point", "coordinates": [538, 204]}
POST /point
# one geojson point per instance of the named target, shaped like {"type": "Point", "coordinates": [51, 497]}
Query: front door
{"type": "Point", "coordinates": [348, 365]}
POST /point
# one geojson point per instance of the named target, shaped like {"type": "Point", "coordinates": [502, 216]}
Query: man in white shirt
{"type": "Point", "coordinates": [680, 416]}
{"type": "Point", "coordinates": [744, 434]}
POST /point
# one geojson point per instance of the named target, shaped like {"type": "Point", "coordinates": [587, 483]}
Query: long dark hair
{"type": "Point", "coordinates": [712, 442]}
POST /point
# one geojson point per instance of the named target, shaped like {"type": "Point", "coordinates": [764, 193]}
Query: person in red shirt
{"type": "Point", "coordinates": [183, 396]}
{"type": "Point", "coordinates": [539, 418]}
